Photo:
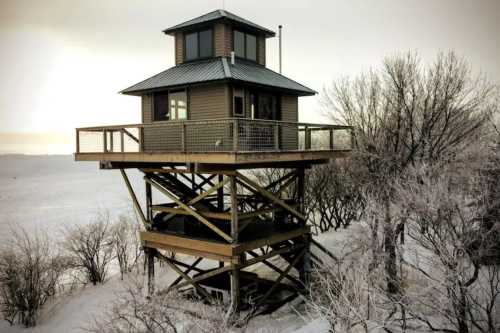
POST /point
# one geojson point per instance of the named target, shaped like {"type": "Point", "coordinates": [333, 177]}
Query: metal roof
{"type": "Point", "coordinates": [219, 14]}
{"type": "Point", "coordinates": [218, 69]}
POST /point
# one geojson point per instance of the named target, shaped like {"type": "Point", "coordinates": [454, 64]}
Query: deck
{"type": "Point", "coordinates": [233, 141]}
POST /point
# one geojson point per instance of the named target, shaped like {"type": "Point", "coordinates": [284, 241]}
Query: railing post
{"type": "Point", "coordinates": [235, 135]}
{"type": "Point", "coordinates": [122, 141]}
{"type": "Point", "coordinates": [105, 141]}
{"type": "Point", "coordinates": [276, 136]}
{"type": "Point", "coordinates": [111, 144]}
{"type": "Point", "coordinates": [183, 137]}
{"type": "Point", "coordinates": [307, 138]}
{"type": "Point", "coordinates": [331, 138]}
{"type": "Point", "coordinates": [141, 139]}
{"type": "Point", "coordinates": [77, 141]}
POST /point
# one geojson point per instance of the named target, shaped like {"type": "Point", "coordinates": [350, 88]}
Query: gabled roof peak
{"type": "Point", "coordinates": [216, 15]}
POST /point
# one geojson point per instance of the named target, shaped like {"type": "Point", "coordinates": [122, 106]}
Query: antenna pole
{"type": "Point", "coordinates": [224, 4]}
{"type": "Point", "coordinates": [280, 41]}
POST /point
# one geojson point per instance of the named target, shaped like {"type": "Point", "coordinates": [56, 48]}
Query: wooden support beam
{"type": "Point", "coordinates": [270, 196]}
{"type": "Point", "coordinates": [127, 133]}
{"type": "Point", "coordinates": [151, 270]}
{"type": "Point", "coordinates": [220, 194]}
{"type": "Point", "coordinates": [235, 289]}
{"type": "Point", "coordinates": [134, 200]}
{"type": "Point", "coordinates": [205, 276]}
{"type": "Point", "coordinates": [187, 271]}
{"type": "Point", "coordinates": [234, 208]}
{"type": "Point", "coordinates": [186, 277]}
{"type": "Point", "coordinates": [281, 277]}
{"type": "Point", "coordinates": [149, 203]}
{"type": "Point", "coordinates": [278, 270]}
{"type": "Point", "coordinates": [206, 214]}
{"type": "Point", "coordinates": [191, 211]}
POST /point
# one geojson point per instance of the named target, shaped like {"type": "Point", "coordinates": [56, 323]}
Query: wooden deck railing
{"type": "Point", "coordinates": [219, 135]}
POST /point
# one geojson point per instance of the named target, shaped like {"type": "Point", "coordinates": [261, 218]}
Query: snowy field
{"type": "Point", "coordinates": [49, 192]}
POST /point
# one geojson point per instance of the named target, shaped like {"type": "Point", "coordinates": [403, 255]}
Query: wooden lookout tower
{"type": "Point", "coordinates": [206, 123]}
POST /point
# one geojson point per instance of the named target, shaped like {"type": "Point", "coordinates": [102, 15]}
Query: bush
{"type": "Point", "coordinates": [90, 248]}
{"type": "Point", "coordinates": [29, 275]}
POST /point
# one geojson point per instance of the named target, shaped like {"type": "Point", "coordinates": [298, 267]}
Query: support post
{"type": "Point", "coordinates": [331, 138]}
{"type": "Point", "coordinates": [149, 203]}
{"type": "Point", "coordinates": [220, 195]}
{"type": "Point", "coordinates": [305, 267]}
{"type": "Point", "coordinates": [300, 191]}
{"type": "Point", "coordinates": [307, 138]}
{"type": "Point", "coordinates": [122, 141]}
{"type": "Point", "coordinates": [77, 141]}
{"type": "Point", "coordinates": [137, 206]}
{"type": "Point", "coordinates": [151, 270]}
{"type": "Point", "coordinates": [234, 209]}
{"type": "Point", "coordinates": [105, 141]}
{"type": "Point", "coordinates": [235, 291]}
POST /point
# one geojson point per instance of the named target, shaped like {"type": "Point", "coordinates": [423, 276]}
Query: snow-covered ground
{"type": "Point", "coordinates": [48, 192]}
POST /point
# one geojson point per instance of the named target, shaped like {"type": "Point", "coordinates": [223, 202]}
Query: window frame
{"type": "Point", "coordinates": [169, 92]}
{"type": "Point", "coordinates": [154, 105]}
{"type": "Point", "coordinates": [245, 45]}
{"type": "Point", "coordinates": [239, 92]}
{"type": "Point", "coordinates": [197, 32]}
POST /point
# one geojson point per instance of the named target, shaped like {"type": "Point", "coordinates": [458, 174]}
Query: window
{"type": "Point", "coordinates": [160, 106]}
{"type": "Point", "coordinates": [251, 47]}
{"type": "Point", "coordinates": [265, 106]}
{"type": "Point", "coordinates": [239, 102]}
{"type": "Point", "coordinates": [239, 44]}
{"type": "Point", "coordinates": [178, 105]}
{"type": "Point", "coordinates": [198, 45]}
{"type": "Point", "coordinates": [245, 45]}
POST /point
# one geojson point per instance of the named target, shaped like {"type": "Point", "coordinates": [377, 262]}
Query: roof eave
{"type": "Point", "coordinates": [171, 31]}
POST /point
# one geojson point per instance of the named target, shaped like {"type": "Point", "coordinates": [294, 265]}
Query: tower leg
{"type": "Point", "coordinates": [150, 254]}
{"type": "Point", "coordinates": [305, 266]}
{"type": "Point", "coordinates": [235, 291]}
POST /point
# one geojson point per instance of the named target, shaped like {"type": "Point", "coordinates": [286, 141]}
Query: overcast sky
{"type": "Point", "coordinates": [62, 62]}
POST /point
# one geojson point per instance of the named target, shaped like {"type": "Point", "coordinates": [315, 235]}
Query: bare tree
{"type": "Point", "coordinates": [90, 248]}
{"type": "Point", "coordinates": [30, 273]}
{"type": "Point", "coordinates": [333, 198]}
{"type": "Point", "coordinates": [403, 114]}
{"type": "Point", "coordinates": [133, 312]}
{"type": "Point", "coordinates": [446, 207]}
{"type": "Point", "coordinates": [126, 243]}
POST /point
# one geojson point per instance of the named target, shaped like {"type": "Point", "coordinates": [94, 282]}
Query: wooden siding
{"type": "Point", "coordinates": [223, 40]}
{"type": "Point", "coordinates": [289, 112]}
{"type": "Point", "coordinates": [261, 50]}
{"type": "Point", "coordinates": [290, 108]}
{"type": "Point", "coordinates": [147, 109]}
{"type": "Point", "coordinates": [179, 48]}
{"type": "Point", "coordinates": [208, 102]}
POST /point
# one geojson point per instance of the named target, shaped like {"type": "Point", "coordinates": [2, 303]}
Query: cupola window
{"type": "Point", "coordinates": [199, 45]}
{"type": "Point", "coordinates": [245, 45]}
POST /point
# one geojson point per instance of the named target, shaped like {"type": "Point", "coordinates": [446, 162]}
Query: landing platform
{"type": "Point", "coordinates": [256, 235]}
{"type": "Point", "coordinates": [225, 158]}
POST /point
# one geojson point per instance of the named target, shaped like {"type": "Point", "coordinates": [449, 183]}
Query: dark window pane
{"type": "Point", "coordinates": [238, 106]}
{"type": "Point", "coordinates": [191, 46]}
{"type": "Point", "coordinates": [268, 107]}
{"type": "Point", "coordinates": [251, 47]}
{"type": "Point", "coordinates": [206, 44]}
{"type": "Point", "coordinates": [239, 44]}
{"type": "Point", "coordinates": [160, 107]}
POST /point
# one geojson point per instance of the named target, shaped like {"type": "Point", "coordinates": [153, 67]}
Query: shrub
{"type": "Point", "coordinates": [29, 275]}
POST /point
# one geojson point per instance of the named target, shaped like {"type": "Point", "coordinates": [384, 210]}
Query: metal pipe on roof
{"type": "Point", "coordinates": [280, 27]}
